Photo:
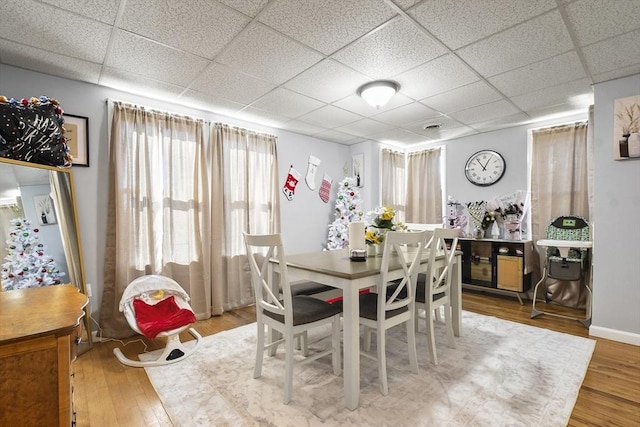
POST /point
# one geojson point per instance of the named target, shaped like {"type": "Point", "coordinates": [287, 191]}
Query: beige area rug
{"type": "Point", "coordinates": [501, 373]}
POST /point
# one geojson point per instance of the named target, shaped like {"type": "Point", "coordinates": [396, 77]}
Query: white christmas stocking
{"type": "Point", "coordinates": [325, 187]}
{"type": "Point", "coordinates": [310, 179]}
{"type": "Point", "coordinates": [290, 184]}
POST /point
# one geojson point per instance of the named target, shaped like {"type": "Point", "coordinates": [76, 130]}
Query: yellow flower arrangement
{"type": "Point", "coordinates": [380, 220]}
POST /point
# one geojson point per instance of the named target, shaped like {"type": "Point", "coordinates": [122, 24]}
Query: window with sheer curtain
{"type": "Point", "coordinates": [424, 186]}
{"type": "Point", "coordinates": [560, 176]}
{"type": "Point", "coordinates": [178, 205]}
{"type": "Point", "coordinates": [412, 184]}
{"type": "Point", "coordinates": [394, 176]}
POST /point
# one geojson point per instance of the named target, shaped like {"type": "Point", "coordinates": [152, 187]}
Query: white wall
{"type": "Point", "coordinates": [305, 219]}
{"type": "Point", "coordinates": [616, 270]}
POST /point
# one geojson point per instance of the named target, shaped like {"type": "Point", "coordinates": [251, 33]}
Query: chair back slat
{"type": "Point", "coordinates": [407, 248]}
{"type": "Point", "coordinates": [440, 278]}
{"type": "Point", "coordinates": [263, 286]}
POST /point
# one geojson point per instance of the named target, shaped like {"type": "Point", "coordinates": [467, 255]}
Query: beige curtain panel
{"type": "Point", "coordinates": [424, 187]}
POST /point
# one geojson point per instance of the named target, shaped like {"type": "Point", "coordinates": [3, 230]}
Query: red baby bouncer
{"type": "Point", "coordinates": [157, 306]}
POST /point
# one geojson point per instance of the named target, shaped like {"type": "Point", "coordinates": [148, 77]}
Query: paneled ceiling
{"type": "Point", "coordinates": [470, 66]}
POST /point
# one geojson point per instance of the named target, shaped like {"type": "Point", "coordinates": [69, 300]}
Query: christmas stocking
{"type": "Point", "coordinates": [325, 187]}
{"type": "Point", "coordinates": [310, 179]}
{"type": "Point", "coordinates": [291, 182]}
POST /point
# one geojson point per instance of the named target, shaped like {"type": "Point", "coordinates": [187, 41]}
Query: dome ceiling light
{"type": "Point", "coordinates": [379, 92]}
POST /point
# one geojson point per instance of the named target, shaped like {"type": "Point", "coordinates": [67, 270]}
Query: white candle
{"type": "Point", "coordinates": [356, 236]}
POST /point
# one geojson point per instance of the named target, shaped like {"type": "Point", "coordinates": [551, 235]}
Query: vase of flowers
{"type": "Point", "coordinates": [380, 221]}
{"type": "Point", "coordinates": [512, 214]}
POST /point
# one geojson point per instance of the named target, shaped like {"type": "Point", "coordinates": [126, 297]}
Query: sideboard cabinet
{"type": "Point", "coordinates": [504, 265]}
{"type": "Point", "coordinates": [39, 330]}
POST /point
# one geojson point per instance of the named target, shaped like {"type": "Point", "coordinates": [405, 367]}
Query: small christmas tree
{"type": "Point", "coordinates": [348, 210]}
{"type": "Point", "coordinates": [27, 264]}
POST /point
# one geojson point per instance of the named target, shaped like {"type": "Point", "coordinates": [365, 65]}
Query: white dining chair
{"type": "Point", "coordinates": [394, 302]}
{"type": "Point", "coordinates": [434, 287]}
{"type": "Point", "coordinates": [291, 316]}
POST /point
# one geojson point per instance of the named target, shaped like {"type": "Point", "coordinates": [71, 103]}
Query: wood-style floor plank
{"type": "Point", "coordinates": [111, 395]}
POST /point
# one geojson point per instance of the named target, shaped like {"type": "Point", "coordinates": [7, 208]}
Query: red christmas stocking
{"type": "Point", "coordinates": [325, 187]}
{"type": "Point", "coordinates": [290, 184]}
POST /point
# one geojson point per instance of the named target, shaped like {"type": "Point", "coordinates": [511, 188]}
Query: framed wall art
{"type": "Point", "coordinates": [77, 134]}
{"type": "Point", "coordinates": [626, 128]}
{"type": "Point", "coordinates": [357, 168]}
{"type": "Point", "coordinates": [44, 210]}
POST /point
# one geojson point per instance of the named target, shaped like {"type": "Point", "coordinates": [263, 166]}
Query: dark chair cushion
{"type": "Point", "coordinates": [308, 288]}
{"type": "Point", "coordinates": [369, 307]}
{"type": "Point", "coordinates": [420, 290]}
{"type": "Point", "coordinates": [307, 309]}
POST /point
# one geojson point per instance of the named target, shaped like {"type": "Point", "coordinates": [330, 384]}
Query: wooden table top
{"type": "Point", "coordinates": [26, 313]}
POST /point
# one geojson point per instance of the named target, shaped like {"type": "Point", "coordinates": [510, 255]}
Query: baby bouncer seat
{"type": "Point", "coordinates": [568, 243]}
{"type": "Point", "coordinates": [157, 306]}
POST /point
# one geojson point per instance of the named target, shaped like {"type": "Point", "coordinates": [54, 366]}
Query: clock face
{"type": "Point", "coordinates": [485, 167]}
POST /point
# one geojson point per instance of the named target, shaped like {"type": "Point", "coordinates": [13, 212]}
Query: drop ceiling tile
{"type": "Point", "coordinates": [566, 93]}
{"type": "Point", "coordinates": [302, 128]}
{"type": "Point", "coordinates": [200, 27]}
{"type": "Point", "coordinates": [459, 23]}
{"type": "Point", "coordinates": [616, 74]}
{"type": "Point", "coordinates": [549, 72]}
{"type": "Point", "coordinates": [101, 10]}
{"type": "Point", "coordinates": [524, 44]}
{"type": "Point", "coordinates": [261, 117]}
{"type": "Point", "coordinates": [268, 55]}
{"type": "Point", "coordinates": [406, 4]}
{"type": "Point", "coordinates": [358, 105]}
{"type": "Point", "coordinates": [484, 113]}
{"type": "Point", "coordinates": [46, 62]}
{"type": "Point", "coordinates": [614, 53]}
{"type": "Point", "coordinates": [335, 136]}
{"type": "Point", "coordinates": [208, 102]}
{"type": "Point", "coordinates": [394, 48]}
{"type": "Point", "coordinates": [554, 112]}
{"type": "Point", "coordinates": [134, 83]}
{"type": "Point", "coordinates": [142, 56]}
{"type": "Point", "coordinates": [502, 122]}
{"type": "Point", "coordinates": [364, 128]}
{"type": "Point", "coordinates": [442, 120]}
{"type": "Point", "coordinates": [248, 7]}
{"type": "Point", "coordinates": [409, 113]}
{"type": "Point", "coordinates": [471, 95]}
{"type": "Point", "coordinates": [49, 28]}
{"type": "Point", "coordinates": [438, 76]}
{"type": "Point", "coordinates": [328, 27]}
{"type": "Point", "coordinates": [595, 20]}
{"type": "Point", "coordinates": [398, 135]}
{"type": "Point", "coordinates": [330, 117]}
{"type": "Point", "coordinates": [223, 82]}
{"type": "Point", "coordinates": [327, 81]}
{"type": "Point", "coordinates": [287, 103]}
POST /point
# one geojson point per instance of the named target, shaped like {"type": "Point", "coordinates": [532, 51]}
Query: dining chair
{"type": "Point", "coordinates": [291, 316]}
{"type": "Point", "coordinates": [383, 310]}
{"type": "Point", "coordinates": [434, 286]}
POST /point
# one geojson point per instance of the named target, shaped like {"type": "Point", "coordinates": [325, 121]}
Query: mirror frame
{"type": "Point", "coordinates": [77, 258]}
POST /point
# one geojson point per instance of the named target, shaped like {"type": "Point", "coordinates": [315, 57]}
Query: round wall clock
{"type": "Point", "coordinates": [485, 167]}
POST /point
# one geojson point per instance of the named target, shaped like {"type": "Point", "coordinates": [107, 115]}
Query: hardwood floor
{"type": "Point", "coordinates": [109, 394]}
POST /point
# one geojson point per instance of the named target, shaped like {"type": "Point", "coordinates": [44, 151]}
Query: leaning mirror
{"type": "Point", "coordinates": [41, 198]}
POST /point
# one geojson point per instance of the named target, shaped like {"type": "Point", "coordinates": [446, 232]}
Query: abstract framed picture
{"type": "Point", "coordinates": [44, 210]}
{"type": "Point", "coordinates": [77, 134]}
{"type": "Point", "coordinates": [626, 128]}
{"type": "Point", "coordinates": [357, 168]}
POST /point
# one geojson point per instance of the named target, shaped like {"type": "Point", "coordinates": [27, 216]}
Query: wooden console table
{"type": "Point", "coordinates": [39, 330]}
{"type": "Point", "coordinates": [498, 265]}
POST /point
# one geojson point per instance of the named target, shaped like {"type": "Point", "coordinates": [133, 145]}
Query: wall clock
{"type": "Point", "coordinates": [485, 167]}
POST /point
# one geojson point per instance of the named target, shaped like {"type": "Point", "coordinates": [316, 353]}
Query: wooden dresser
{"type": "Point", "coordinates": [38, 341]}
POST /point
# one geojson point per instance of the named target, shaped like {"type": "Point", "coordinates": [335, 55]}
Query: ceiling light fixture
{"type": "Point", "coordinates": [378, 93]}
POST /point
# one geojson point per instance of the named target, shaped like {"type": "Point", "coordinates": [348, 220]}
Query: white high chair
{"type": "Point", "coordinates": [147, 288]}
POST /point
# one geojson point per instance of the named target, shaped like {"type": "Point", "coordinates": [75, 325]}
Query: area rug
{"type": "Point", "coordinates": [501, 373]}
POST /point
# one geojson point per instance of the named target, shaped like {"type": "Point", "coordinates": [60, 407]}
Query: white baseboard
{"type": "Point", "coordinates": [615, 335]}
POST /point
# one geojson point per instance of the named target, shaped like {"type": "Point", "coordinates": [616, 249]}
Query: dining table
{"type": "Point", "coordinates": [336, 269]}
